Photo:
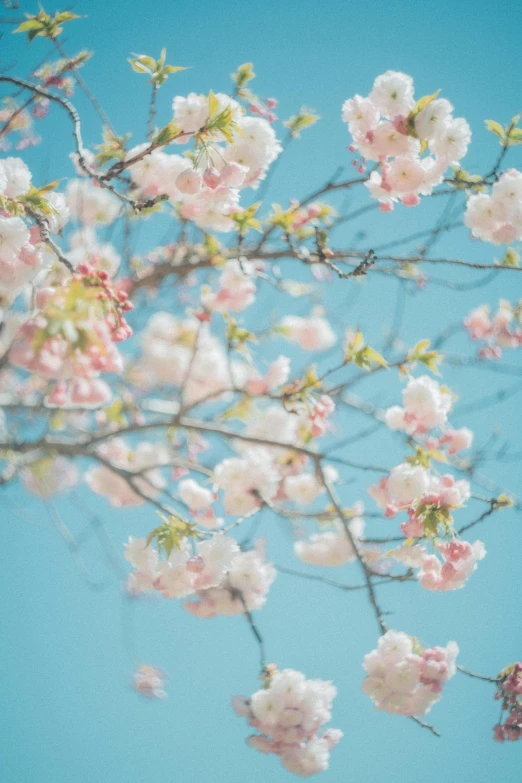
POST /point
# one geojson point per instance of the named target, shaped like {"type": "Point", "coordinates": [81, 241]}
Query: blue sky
{"type": "Point", "coordinates": [67, 650]}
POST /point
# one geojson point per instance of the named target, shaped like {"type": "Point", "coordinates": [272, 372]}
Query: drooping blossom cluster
{"type": "Point", "coordinates": [405, 679]}
{"type": "Point", "coordinates": [72, 338]}
{"type": "Point", "coordinates": [429, 501]}
{"type": "Point", "coordinates": [428, 498]}
{"type": "Point", "coordinates": [498, 331]}
{"type": "Point", "coordinates": [149, 681]}
{"type": "Point", "coordinates": [390, 128]}
{"type": "Point", "coordinates": [245, 585]}
{"type": "Point", "coordinates": [218, 577]}
{"type": "Point", "coordinates": [207, 191]}
{"type": "Point", "coordinates": [509, 693]}
{"type": "Point", "coordinates": [496, 217]}
{"type": "Point", "coordinates": [288, 713]}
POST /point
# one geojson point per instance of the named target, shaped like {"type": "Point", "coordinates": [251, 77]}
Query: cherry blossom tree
{"type": "Point", "coordinates": [156, 378]}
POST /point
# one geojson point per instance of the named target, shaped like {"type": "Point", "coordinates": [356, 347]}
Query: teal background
{"type": "Point", "coordinates": [67, 652]}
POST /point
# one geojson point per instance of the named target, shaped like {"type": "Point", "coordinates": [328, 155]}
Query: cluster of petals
{"type": "Point", "coordinates": [496, 217]}
{"type": "Point", "coordinates": [146, 460]}
{"type": "Point", "coordinates": [236, 288]}
{"type": "Point", "coordinates": [459, 560]}
{"type": "Point", "coordinates": [72, 337]}
{"type": "Point", "coordinates": [499, 331]}
{"type": "Point", "coordinates": [332, 547]}
{"type": "Point", "coordinates": [199, 501]}
{"type": "Point", "coordinates": [408, 485]}
{"type": "Point", "coordinates": [182, 573]}
{"type": "Point", "coordinates": [403, 679]}
{"type": "Point", "coordinates": [509, 693]}
{"type": "Point", "coordinates": [247, 480]}
{"type": "Point", "coordinates": [181, 352]}
{"type": "Point", "coordinates": [276, 375]}
{"type": "Point", "coordinates": [22, 256]}
{"type": "Point", "coordinates": [288, 713]}
{"type": "Point", "coordinates": [426, 404]}
{"type": "Point", "coordinates": [219, 578]}
{"type": "Point", "coordinates": [91, 205]}
{"type": "Point", "coordinates": [207, 192]}
{"type": "Point", "coordinates": [149, 681]}
{"type": "Point", "coordinates": [245, 585]}
{"type": "Point", "coordinates": [313, 333]}
{"type": "Point", "coordinates": [386, 129]}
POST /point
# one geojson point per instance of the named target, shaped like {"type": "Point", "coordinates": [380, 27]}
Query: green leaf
{"type": "Point", "coordinates": [144, 59]}
{"type": "Point", "coordinates": [166, 134]}
{"type": "Point", "coordinates": [213, 104]}
{"type": "Point", "coordinates": [376, 357]}
{"type": "Point", "coordinates": [50, 187]}
{"type": "Point", "coordinates": [174, 68]}
{"type": "Point", "coordinates": [299, 122]}
{"type": "Point", "coordinates": [243, 75]}
{"type": "Point", "coordinates": [64, 16]}
{"type": "Point", "coordinates": [30, 24]}
{"type": "Point", "coordinates": [515, 136]}
{"type": "Point", "coordinates": [496, 128]}
{"type": "Point", "coordinates": [423, 102]}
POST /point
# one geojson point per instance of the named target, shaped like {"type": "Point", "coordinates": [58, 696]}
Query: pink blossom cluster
{"type": "Point", "coordinates": [388, 127]}
{"type": "Point", "coordinates": [181, 352]}
{"type": "Point", "coordinates": [219, 577]}
{"type": "Point", "coordinates": [71, 339]}
{"type": "Point", "coordinates": [208, 192]}
{"type": "Point", "coordinates": [22, 256]}
{"type": "Point", "coordinates": [182, 573]}
{"type": "Point", "coordinates": [425, 405]}
{"type": "Point", "coordinates": [149, 681]}
{"type": "Point", "coordinates": [247, 480]}
{"type": "Point", "coordinates": [332, 547]}
{"type": "Point", "coordinates": [458, 561]}
{"type": "Point", "coordinates": [199, 501]}
{"type": "Point", "coordinates": [499, 331]}
{"type": "Point", "coordinates": [404, 679]}
{"type": "Point", "coordinates": [15, 119]}
{"type": "Point", "coordinates": [409, 486]}
{"type": "Point", "coordinates": [55, 74]}
{"type": "Point", "coordinates": [264, 108]}
{"type": "Point", "coordinates": [90, 204]}
{"type": "Point", "coordinates": [236, 288]}
{"type": "Point", "coordinates": [245, 585]}
{"type": "Point", "coordinates": [276, 375]}
{"type": "Point", "coordinates": [509, 693]}
{"type": "Point", "coordinates": [496, 217]}
{"type": "Point", "coordinates": [146, 460]}
{"type": "Point", "coordinates": [312, 334]}
{"type": "Point", "coordinates": [288, 712]}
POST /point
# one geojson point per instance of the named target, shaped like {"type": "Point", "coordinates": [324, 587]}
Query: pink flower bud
{"type": "Point", "coordinates": [212, 178]}
{"type": "Point", "coordinates": [189, 182]}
